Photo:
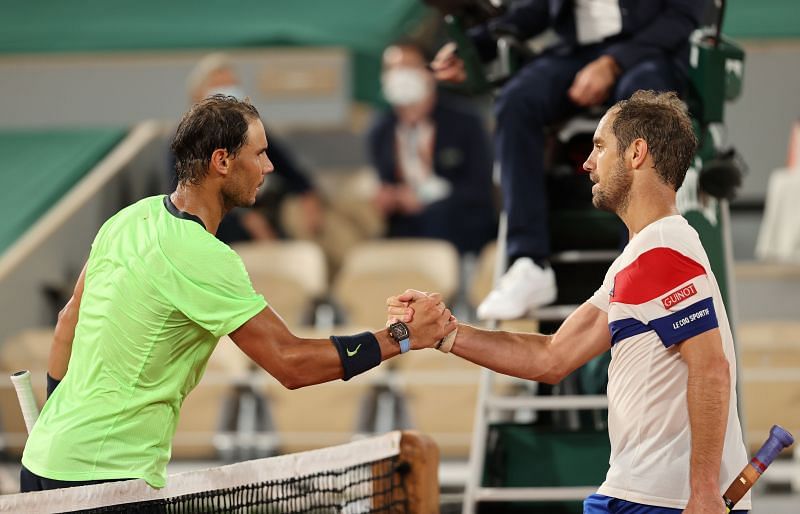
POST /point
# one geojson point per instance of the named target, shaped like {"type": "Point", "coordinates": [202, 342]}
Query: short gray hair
{"type": "Point", "coordinates": [204, 68]}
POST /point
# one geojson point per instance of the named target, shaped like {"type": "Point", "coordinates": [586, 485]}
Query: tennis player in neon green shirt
{"type": "Point", "coordinates": [155, 296]}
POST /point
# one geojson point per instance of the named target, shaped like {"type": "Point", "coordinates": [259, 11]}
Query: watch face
{"type": "Point", "coordinates": [398, 331]}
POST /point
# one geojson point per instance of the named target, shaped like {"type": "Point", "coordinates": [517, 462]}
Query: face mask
{"type": "Point", "coordinates": [404, 86]}
{"type": "Point", "coordinates": [234, 91]}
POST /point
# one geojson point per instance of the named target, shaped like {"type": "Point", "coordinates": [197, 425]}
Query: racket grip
{"type": "Point", "coordinates": [27, 401]}
{"type": "Point", "coordinates": [778, 439]}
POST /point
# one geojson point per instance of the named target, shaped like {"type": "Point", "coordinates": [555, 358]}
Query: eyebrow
{"type": "Point", "coordinates": [597, 140]}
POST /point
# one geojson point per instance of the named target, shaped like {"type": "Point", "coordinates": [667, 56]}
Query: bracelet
{"type": "Point", "coordinates": [358, 353]}
{"type": "Point", "coordinates": [446, 343]}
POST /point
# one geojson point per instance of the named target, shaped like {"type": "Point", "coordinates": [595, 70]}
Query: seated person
{"type": "Point", "coordinates": [607, 49]}
{"type": "Point", "coordinates": [433, 159]}
{"type": "Point", "coordinates": [215, 74]}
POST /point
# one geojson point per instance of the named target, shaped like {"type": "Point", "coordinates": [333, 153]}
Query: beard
{"type": "Point", "coordinates": [238, 193]}
{"type": "Point", "coordinates": [615, 195]}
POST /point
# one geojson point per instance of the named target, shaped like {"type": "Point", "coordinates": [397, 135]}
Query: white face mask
{"type": "Point", "coordinates": [233, 90]}
{"type": "Point", "coordinates": [405, 86]}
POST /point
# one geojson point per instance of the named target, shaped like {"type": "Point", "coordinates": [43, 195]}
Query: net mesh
{"type": "Point", "coordinates": [365, 488]}
{"type": "Point", "coordinates": [367, 476]}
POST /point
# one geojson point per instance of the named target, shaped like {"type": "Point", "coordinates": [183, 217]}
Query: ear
{"type": "Point", "coordinates": [220, 161]}
{"type": "Point", "coordinates": [638, 152]}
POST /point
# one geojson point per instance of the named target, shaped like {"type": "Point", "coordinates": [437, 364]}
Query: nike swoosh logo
{"type": "Point", "coordinates": [350, 354]}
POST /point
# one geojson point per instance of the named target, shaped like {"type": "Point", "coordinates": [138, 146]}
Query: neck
{"type": "Point", "coordinates": [201, 201]}
{"type": "Point", "coordinates": [412, 114]}
{"type": "Point", "coordinates": [647, 205]}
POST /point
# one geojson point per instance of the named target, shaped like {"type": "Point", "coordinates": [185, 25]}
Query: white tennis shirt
{"type": "Point", "coordinates": [659, 292]}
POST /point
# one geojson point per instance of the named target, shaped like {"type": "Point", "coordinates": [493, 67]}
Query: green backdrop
{"type": "Point", "coordinates": [365, 27]}
{"type": "Point", "coordinates": [40, 167]}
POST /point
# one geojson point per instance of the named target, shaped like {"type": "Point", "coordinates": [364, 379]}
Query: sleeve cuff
{"type": "Point", "coordinates": [693, 320]}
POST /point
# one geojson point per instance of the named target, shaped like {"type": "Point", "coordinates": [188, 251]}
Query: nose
{"type": "Point", "coordinates": [269, 167]}
{"type": "Point", "coordinates": [588, 165]}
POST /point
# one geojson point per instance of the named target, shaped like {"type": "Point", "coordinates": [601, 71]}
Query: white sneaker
{"type": "Point", "coordinates": [524, 287]}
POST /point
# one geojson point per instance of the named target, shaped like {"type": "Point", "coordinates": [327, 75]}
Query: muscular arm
{"type": "Point", "coordinates": [61, 348]}
{"type": "Point", "coordinates": [708, 395]}
{"type": "Point", "coordinates": [582, 336]}
{"type": "Point", "coordinates": [297, 362]}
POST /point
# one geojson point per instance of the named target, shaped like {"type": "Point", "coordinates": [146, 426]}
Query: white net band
{"type": "Point", "coordinates": [224, 477]}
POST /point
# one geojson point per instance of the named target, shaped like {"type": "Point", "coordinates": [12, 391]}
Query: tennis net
{"type": "Point", "coordinates": [392, 473]}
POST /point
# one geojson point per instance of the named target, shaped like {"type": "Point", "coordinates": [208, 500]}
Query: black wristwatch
{"type": "Point", "coordinates": [399, 332]}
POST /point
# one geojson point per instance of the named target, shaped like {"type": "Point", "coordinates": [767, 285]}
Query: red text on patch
{"type": "Point", "coordinates": [679, 296]}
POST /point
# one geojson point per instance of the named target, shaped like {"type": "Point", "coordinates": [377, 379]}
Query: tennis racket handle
{"type": "Point", "coordinates": [778, 439]}
{"type": "Point", "coordinates": [27, 401]}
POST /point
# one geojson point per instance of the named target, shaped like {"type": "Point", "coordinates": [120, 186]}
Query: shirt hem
{"type": "Point", "coordinates": [83, 476]}
{"type": "Point", "coordinates": [657, 501]}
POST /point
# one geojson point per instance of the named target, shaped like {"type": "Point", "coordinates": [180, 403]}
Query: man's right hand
{"type": "Point", "coordinates": [447, 66]}
{"type": "Point", "coordinates": [594, 83]}
{"type": "Point", "coordinates": [431, 323]}
{"type": "Point", "coordinates": [425, 314]}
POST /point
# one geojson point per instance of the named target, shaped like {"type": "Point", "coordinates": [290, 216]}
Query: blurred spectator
{"type": "Point", "coordinates": [433, 158]}
{"type": "Point", "coordinates": [607, 49]}
{"type": "Point", "coordinates": [215, 74]}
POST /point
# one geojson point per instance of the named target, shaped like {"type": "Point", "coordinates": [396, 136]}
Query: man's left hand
{"type": "Point", "coordinates": [710, 503]}
{"type": "Point", "coordinates": [592, 85]}
{"type": "Point", "coordinates": [431, 322]}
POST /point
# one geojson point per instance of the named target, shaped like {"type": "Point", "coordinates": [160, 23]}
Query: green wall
{"type": "Point", "coordinates": [762, 19]}
{"type": "Point", "coordinates": [363, 26]}
{"type": "Point", "coordinates": [40, 167]}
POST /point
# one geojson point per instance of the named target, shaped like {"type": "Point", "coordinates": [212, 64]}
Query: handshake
{"type": "Point", "coordinates": [430, 323]}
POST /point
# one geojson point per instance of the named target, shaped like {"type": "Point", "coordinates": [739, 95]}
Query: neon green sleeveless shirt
{"type": "Point", "coordinates": [159, 293]}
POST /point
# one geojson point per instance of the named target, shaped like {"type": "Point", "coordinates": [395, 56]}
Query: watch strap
{"type": "Point", "coordinates": [405, 345]}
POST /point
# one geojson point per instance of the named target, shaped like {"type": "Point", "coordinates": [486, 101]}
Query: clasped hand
{"type": "Point", "coordinates": [428, 318]}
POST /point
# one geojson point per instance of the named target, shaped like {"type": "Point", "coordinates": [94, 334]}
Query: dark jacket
{"type": "Point", "coordinates": [462, 156]}
{"type": "Point", "coordinates": [649, 28]}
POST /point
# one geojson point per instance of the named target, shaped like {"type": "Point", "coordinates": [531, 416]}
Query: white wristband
{"type": "Point", "coordinates": [446, 344]}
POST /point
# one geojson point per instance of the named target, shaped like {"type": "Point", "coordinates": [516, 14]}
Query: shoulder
{"type": "Point", "coordinates": [658, 260]}
{"type": "Point", "coordinates": [203, 262]}
{"type": "Point", "coordinates": [676, 233]}
{"type": "Point", "coordinates": [188, 243]}
{"type": "Point", "coordinates": [143, 209]}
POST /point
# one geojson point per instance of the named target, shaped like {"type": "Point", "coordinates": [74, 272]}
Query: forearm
{"type": "Point", "coordinates": [305, 366]}
{"type": "Point", "coordinates": [298, 362]}
{"type": "Point", "coordinates": [708, 396]}
{"type": "Point", "coordinates": [526, 356]}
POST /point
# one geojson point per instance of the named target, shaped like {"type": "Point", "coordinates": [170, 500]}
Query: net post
{"type": "Point", "coordinates": [422, 454]}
